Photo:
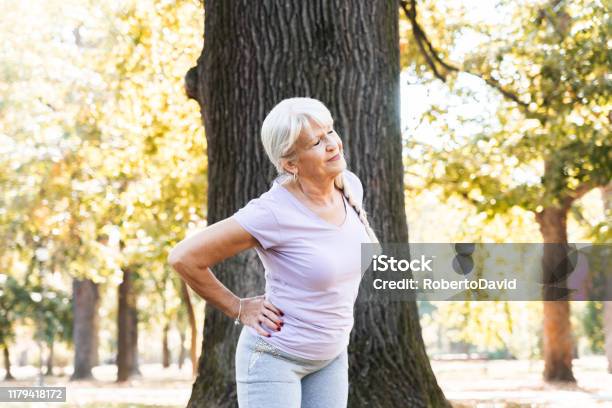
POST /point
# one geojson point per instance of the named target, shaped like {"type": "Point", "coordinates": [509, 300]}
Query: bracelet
{"type": "Point", "coordinates": [237, 320]}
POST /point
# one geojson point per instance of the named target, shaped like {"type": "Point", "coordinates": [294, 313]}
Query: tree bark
{"type": "Point", "coordinates": [127, 333]}
{"type": "Point", "coordinates": [193, 348]}
{"type": "Point", "coordinates": [557, 339]}
{"type": "Point", "coordinates": [346, 54]}
{"type": "Point", "coordinates": [165, 349]}
{"type": "Point", "coordinates": [7, 363]}
{"type": "Point", "coordinates": [86, 300]}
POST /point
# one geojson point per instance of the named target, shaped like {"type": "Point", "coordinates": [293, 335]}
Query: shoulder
{"type": "Point", "coordinates": [258, 217]}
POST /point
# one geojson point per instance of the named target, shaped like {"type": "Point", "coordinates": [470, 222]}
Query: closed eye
{"type": "Point", "coordinates": [319, 141]}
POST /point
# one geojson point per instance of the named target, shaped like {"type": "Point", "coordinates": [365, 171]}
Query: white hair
{"type": "Point", "coordinates": [281, 129]}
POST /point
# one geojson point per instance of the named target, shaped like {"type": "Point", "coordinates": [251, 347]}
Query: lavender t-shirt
{"type": "Point", "coordinates": [312, 269]}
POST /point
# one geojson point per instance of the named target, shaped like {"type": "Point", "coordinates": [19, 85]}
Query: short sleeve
{"type": "Point", "coordinates": [355, 185]}
{"type": "Point", "coordinates": [258, 219]}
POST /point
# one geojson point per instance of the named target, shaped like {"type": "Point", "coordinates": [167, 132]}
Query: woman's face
{"type": "Point", "coordinates": [319, 153]}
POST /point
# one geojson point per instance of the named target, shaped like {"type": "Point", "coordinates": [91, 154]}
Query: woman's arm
{"type": "Point", "coordinates": [192, 258]}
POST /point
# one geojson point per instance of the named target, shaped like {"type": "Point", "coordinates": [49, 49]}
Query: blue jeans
{"type": "Point", "coordinates": [271, 378]}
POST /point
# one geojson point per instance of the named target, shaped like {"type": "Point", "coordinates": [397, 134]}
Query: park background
{"type": "Point", "coordinates": [104, 169]}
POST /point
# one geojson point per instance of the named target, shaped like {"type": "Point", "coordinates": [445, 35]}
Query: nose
{"type": "Point", "coordinates": [333, 144]}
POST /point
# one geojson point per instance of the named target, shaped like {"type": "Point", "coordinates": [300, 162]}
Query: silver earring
{"type": "Point", "coordinates": [295, 176]}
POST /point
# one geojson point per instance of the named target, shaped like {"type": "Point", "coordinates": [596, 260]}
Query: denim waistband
{"type": "Point", "coordinates": [259, 343]}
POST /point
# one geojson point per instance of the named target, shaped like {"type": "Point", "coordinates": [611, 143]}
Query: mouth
{"type": "Point", "coordinates": [336, 157]}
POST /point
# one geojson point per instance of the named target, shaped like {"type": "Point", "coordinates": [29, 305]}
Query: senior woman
{"type": "Point", "coordinates": [307, 230]}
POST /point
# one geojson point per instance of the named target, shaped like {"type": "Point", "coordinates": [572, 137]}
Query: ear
{"type": "Point", "coordinates": [290, 165]}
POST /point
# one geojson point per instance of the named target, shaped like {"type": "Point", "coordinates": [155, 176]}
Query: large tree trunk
{"type": "Point", "coordinates": [557, 330]}
{"type": "Point", "coordinates": [7, 363]}
{"type": "Point", "coordinates": [346, 54]}
{"type": "Point", "coordinates": [606, 196]}
{"type": "Point", "coordinates": [193, 348]}
{"type": "Point", "coordinates": [127, 325]}
{"type": "Point", "coordinates": [86, 300]}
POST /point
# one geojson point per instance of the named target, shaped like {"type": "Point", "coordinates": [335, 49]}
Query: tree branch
{"type": "Point", "coordinates": [432, 56]}
{"type": "Point", "coordinates": [573, 195]}
{"type": "Point", "coordinates": [420, 37]}
{"type": "Point", "coordinates": [191, 83]}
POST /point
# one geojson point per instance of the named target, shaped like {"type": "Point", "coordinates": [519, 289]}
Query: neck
{"type": "Point", "coordinates": [320, 193]}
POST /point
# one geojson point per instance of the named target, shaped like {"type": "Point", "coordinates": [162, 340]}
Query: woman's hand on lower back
{"type": "Point", "coordinates": [257, 310]}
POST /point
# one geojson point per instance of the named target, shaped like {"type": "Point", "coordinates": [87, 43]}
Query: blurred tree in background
{"type": "Point", "coordinates": [547, 61]}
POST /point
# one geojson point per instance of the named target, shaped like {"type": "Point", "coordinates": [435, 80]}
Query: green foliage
{"type": "Point", "coordinates": [52, 311]}
{"type": "Point", "coordinates": [15, 303]}
{"type": "Point", "coordinates": [546, 68]}
{"type": "Point", "coordinates": [521, 122]}
{"type": "Point", "coordinates": [49, 309]}
{"type": "Point", "coordinates": [103, 162]}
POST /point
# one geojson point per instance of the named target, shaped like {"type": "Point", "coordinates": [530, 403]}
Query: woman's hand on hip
{"type": "Point", "coordinates": [257, 310]}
